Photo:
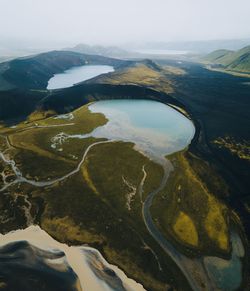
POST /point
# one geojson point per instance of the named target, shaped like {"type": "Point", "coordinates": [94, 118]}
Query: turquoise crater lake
{"type": "Point", "coordinates": [155, 128]}
{"type": "Point", "coordinates": [76, 75]}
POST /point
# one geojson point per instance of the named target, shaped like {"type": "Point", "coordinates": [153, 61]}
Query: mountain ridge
{"type": "Point", "coordinates": [106, 51]}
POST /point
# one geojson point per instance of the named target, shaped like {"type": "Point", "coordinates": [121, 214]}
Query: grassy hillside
{"type": "Point", "coordinates": [218, 55]}
{"type": "Point", "coordinates": [241, 60]}
{"type": "Point", "coordinates": [145, 73]}
{"type": "Point", "coordinates": [238, 61]}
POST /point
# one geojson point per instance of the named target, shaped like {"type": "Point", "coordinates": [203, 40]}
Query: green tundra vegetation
{"type": "Point", "coordinates": [143, 74]}
{"type": "Point", "coordinates": [188, 212]}
{"type": "Point", "coordinates": [238, 61]}
{"type": "Point", "coordinates": [92, 209]}
{"type": "Point", "coordinates": [100, 205]}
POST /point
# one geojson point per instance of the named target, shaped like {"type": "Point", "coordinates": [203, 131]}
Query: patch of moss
{"type": "Point", "coordinates": [38, 115]}
{"type": "Point", "coordinates": [216, 225]}
{"type": "Point", "coordinates": [66, 230]}
{"type": "Point", "coordinates": [239, 149]}
{"type": "Point", "coordinates": [187, 213]}
{"type": "Point", "coordinates": [185, 229]}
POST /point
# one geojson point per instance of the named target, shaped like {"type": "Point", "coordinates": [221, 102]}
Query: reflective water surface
{"type": "Point", "coordinates": [76, 75]}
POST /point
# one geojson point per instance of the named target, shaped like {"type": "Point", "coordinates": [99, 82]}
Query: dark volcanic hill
{"type": "Point", "coordinates": [34, 72]}
{"type": "Point", "coordinates": [23, 81]}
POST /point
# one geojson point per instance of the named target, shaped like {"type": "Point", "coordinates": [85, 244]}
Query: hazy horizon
{"type": "Point", "coordinates": [62, 22]}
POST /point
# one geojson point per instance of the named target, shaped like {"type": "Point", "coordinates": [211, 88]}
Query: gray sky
{"type": "Point", "coordinates": [121, 21]}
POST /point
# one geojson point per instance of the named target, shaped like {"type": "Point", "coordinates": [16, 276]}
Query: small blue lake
{"type": "Point", "coordinates": [76, 75]}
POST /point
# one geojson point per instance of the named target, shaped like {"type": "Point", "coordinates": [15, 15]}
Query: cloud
{"type": "Point", "coordinates": [120, 21]}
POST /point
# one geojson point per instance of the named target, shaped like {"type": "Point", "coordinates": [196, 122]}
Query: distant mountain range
{"type": "Point", "coordinates": [197, 47]}
{"type": "Point", "coordinates": [107, 51]}
{"type": "Point", "coordinates": [132, 50]}
{"type": "Point", "coordinates": [238, 61]}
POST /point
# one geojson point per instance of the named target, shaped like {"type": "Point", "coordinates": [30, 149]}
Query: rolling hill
{"type": "Point", "coordinates": [238, 61]}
